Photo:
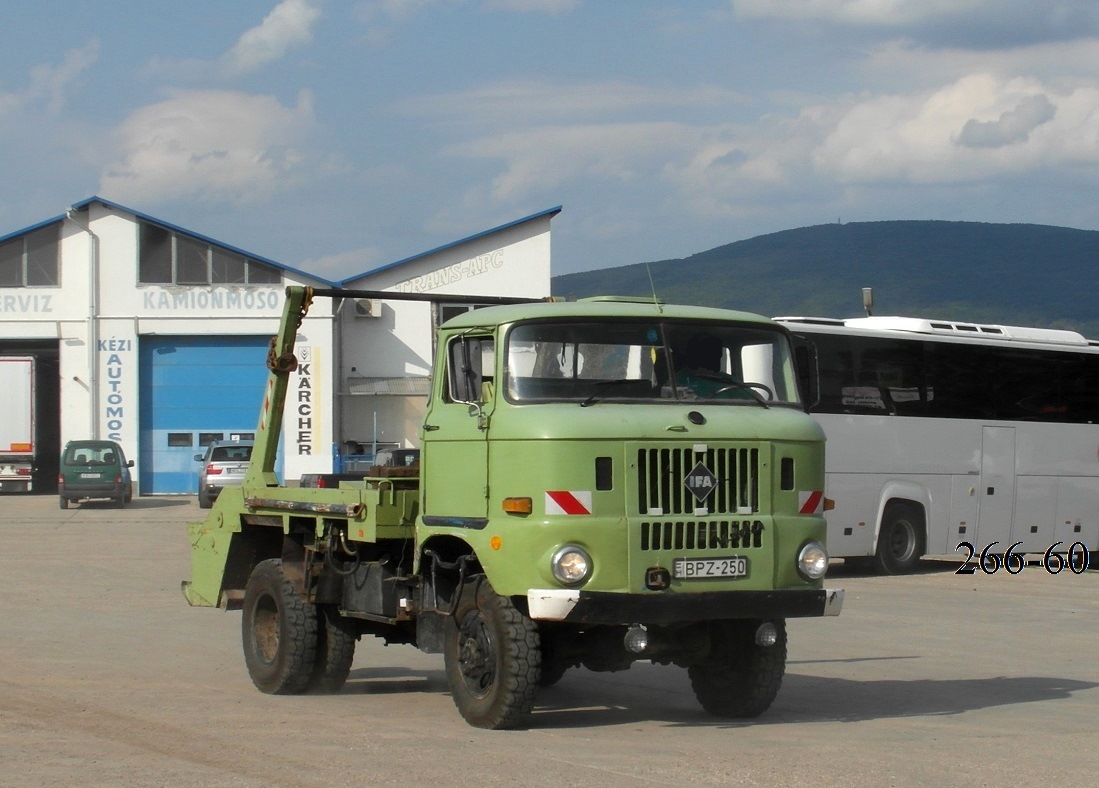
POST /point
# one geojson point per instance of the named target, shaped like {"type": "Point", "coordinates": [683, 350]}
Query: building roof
{"type": "Point", "coordinates": [83, 204]}
{"type": "Point", "coordinates": [549, 212]}
{"type": "Point", "coordinates": [197, 236]}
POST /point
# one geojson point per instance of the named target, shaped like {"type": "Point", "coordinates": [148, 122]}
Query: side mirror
{"type": "Point", "coordinates": [808, 371]}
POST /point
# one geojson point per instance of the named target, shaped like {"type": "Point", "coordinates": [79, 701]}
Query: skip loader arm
{"type": "Point", "coordinates": [281, 361]}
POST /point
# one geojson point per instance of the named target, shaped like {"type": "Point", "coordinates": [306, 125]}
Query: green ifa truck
{"type": "Point", "coordinates": [600, 482]}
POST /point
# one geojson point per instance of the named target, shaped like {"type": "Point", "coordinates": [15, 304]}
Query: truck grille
{"type": "Point", "coordinates": [661, 474]}
{"type": "Point", "coordinates": [701, 535]}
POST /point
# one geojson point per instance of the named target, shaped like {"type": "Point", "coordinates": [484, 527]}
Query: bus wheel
{"type": "Point", "coordinates": [335, 652]}
{"type": "Point", "coordinates": [739, 678]}
{"type": "Point", "coordinates": [901, 541]}
{"type": "Point", "coordinates": [492, 657]}
{"type": "Point", "coordinates": [279, 632]}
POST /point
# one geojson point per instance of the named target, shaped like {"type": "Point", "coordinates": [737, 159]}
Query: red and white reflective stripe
{"type": "Point", "coordinates": [811, 502]}
{"type": "Point", "coordinates": [568, 502]}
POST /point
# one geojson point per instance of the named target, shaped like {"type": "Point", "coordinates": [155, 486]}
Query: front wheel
{"type": "Point", "coordinates": [492, 657]}
{"type": "Point", "coordinates": [739, 678]}
{"type": "Point", "coordinates": [279, 631]}
{"type": "Point", "coordinates": [901, 540]}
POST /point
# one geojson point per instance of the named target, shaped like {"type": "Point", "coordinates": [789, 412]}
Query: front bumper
{"type": "Point", "coordinates": [600, 607]}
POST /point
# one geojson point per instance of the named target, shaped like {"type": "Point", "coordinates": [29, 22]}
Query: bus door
{"type": "Point", "coordinates": [996, 494]}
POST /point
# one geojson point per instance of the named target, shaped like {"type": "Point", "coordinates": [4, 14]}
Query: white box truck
{"type": "Point", "coordinates": [17, 445]}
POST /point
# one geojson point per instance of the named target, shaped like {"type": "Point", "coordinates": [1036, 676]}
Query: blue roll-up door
{"type": "Point", "coordinates": [194, 390]}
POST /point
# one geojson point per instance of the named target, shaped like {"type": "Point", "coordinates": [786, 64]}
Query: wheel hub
{"type": "Point", "coordinates": [265, 630]}
{"type": "Point", "coordinates": [476, 655]}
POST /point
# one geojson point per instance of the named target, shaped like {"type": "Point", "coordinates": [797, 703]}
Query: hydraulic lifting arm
{"type": "Point", "coordinates": [281, 361]}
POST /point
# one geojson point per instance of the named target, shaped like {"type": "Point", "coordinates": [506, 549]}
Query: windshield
{"type": "Point", "coordinates": [587, 362]}
{"type": "Point", "coordinates": [92, 454]}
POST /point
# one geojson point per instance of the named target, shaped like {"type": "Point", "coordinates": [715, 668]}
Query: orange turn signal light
{"type": "Point", "coordinates": [518, 505]}
{"type": "Point", "coordinates": [829, 504]}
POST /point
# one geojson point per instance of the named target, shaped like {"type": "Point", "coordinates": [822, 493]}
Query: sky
{"type": "Point", "coordinates": [337, 136]}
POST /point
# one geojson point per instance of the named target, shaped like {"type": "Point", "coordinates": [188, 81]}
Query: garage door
{"type": "Point", "coordinates": [195, 390]}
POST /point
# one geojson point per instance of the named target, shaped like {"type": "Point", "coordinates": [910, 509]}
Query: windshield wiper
{"type": "Point", "coordinates": [599, 383]}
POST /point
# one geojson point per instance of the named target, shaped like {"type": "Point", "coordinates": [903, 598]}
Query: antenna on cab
{"type": "Point", "coordinates": [652, 286]}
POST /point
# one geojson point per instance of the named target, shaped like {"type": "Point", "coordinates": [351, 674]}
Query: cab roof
{"type": "Point", "coordinates": [595, 309]}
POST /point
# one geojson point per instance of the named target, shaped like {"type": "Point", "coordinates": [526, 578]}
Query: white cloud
{"type": "Point", "coordinates": [979, 127]}
{"type": "Point", "coordinates": [400, 10]}
{"type": "Point", "coordinates": [289, 25]}
{"type": "Point", "coordinates": [890, 13]}
{"type": "Point", "coordinates": [980, 24]}
{"type": "Point", "coordinates": [221, 145]}
{"type": "Point", "coordinates": [383, 16]}
{"type": "Point", "coordinates": [525, 101]}
{"type": "Point", "coordinates": [903, 63]}
{"type": "Point", "coordinates": [50, 83]}
{"type": "Point", "coordinates": [1014, 125]}
{"type": "Point", "coordinates": [538, 6]}
{"type": "Point", "coordinates": [539, 159]}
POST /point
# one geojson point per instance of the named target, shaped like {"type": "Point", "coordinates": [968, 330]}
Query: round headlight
{"type": "Point", "coordinates": [571, 565]}
{"type": "Point", "coordinates": [813, 561]}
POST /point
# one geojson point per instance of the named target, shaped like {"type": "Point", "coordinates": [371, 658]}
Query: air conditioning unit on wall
{"type": "Point", "coordinates": [368, 307]}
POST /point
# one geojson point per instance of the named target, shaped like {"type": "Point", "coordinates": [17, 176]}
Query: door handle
{"type": "Point", "coordinates": [430, 427]}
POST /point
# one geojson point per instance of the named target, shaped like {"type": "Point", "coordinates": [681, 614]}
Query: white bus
{"type": "Point", "coordinates": [942, 433]}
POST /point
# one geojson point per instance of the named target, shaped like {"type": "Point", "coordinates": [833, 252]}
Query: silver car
{"type": "Point", "coordinates": [223, 465]}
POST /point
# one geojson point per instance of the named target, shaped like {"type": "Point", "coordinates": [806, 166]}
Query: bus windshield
{"type": "Point", "coordinates": [645, 360]}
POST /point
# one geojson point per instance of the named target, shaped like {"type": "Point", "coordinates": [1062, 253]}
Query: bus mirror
{"type": "Point", "coordinates": [805, 360]}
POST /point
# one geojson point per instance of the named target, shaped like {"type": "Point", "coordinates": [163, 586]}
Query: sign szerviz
{"type": "Point", "coordinates": [568, 502]}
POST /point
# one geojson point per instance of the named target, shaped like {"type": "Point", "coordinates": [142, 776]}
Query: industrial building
{"type": "Point", "coordinates": [156, 336]}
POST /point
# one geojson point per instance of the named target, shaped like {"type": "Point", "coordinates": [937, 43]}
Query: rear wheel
{"type": "Point", "coordinates": [901, 540]}
{"type": "Point", "coordinates": [739, 678]}
{"type": "Point", "coordinates": [278, 630]}
{"type": "Point", "coordinates": [63, 502]}
{"type": "Point", "coordinates": [204, 502]}
{"type": "Point", "coordinates": [492, 658]}
{"type": "Point", "coordinates": [335, 652]}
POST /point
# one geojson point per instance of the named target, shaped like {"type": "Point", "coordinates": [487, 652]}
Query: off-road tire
{"type": "Point", "coordinates": [492, 657]}
{"type": "Point", "coordinates": [335, 652]}
{"type": "Point", "coordinates": [901, 539]}
{"type": "Point", "coordinates": [278, 630]}
{"type": "Point", "coordinates": [739, 678]}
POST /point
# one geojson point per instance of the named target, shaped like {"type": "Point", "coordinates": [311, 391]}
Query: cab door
{"type": "Point", "coordinates": [455, 435]}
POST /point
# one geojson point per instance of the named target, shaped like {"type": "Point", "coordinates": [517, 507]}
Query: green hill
{"type": "Point", "coordinates": [1014, 274]}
